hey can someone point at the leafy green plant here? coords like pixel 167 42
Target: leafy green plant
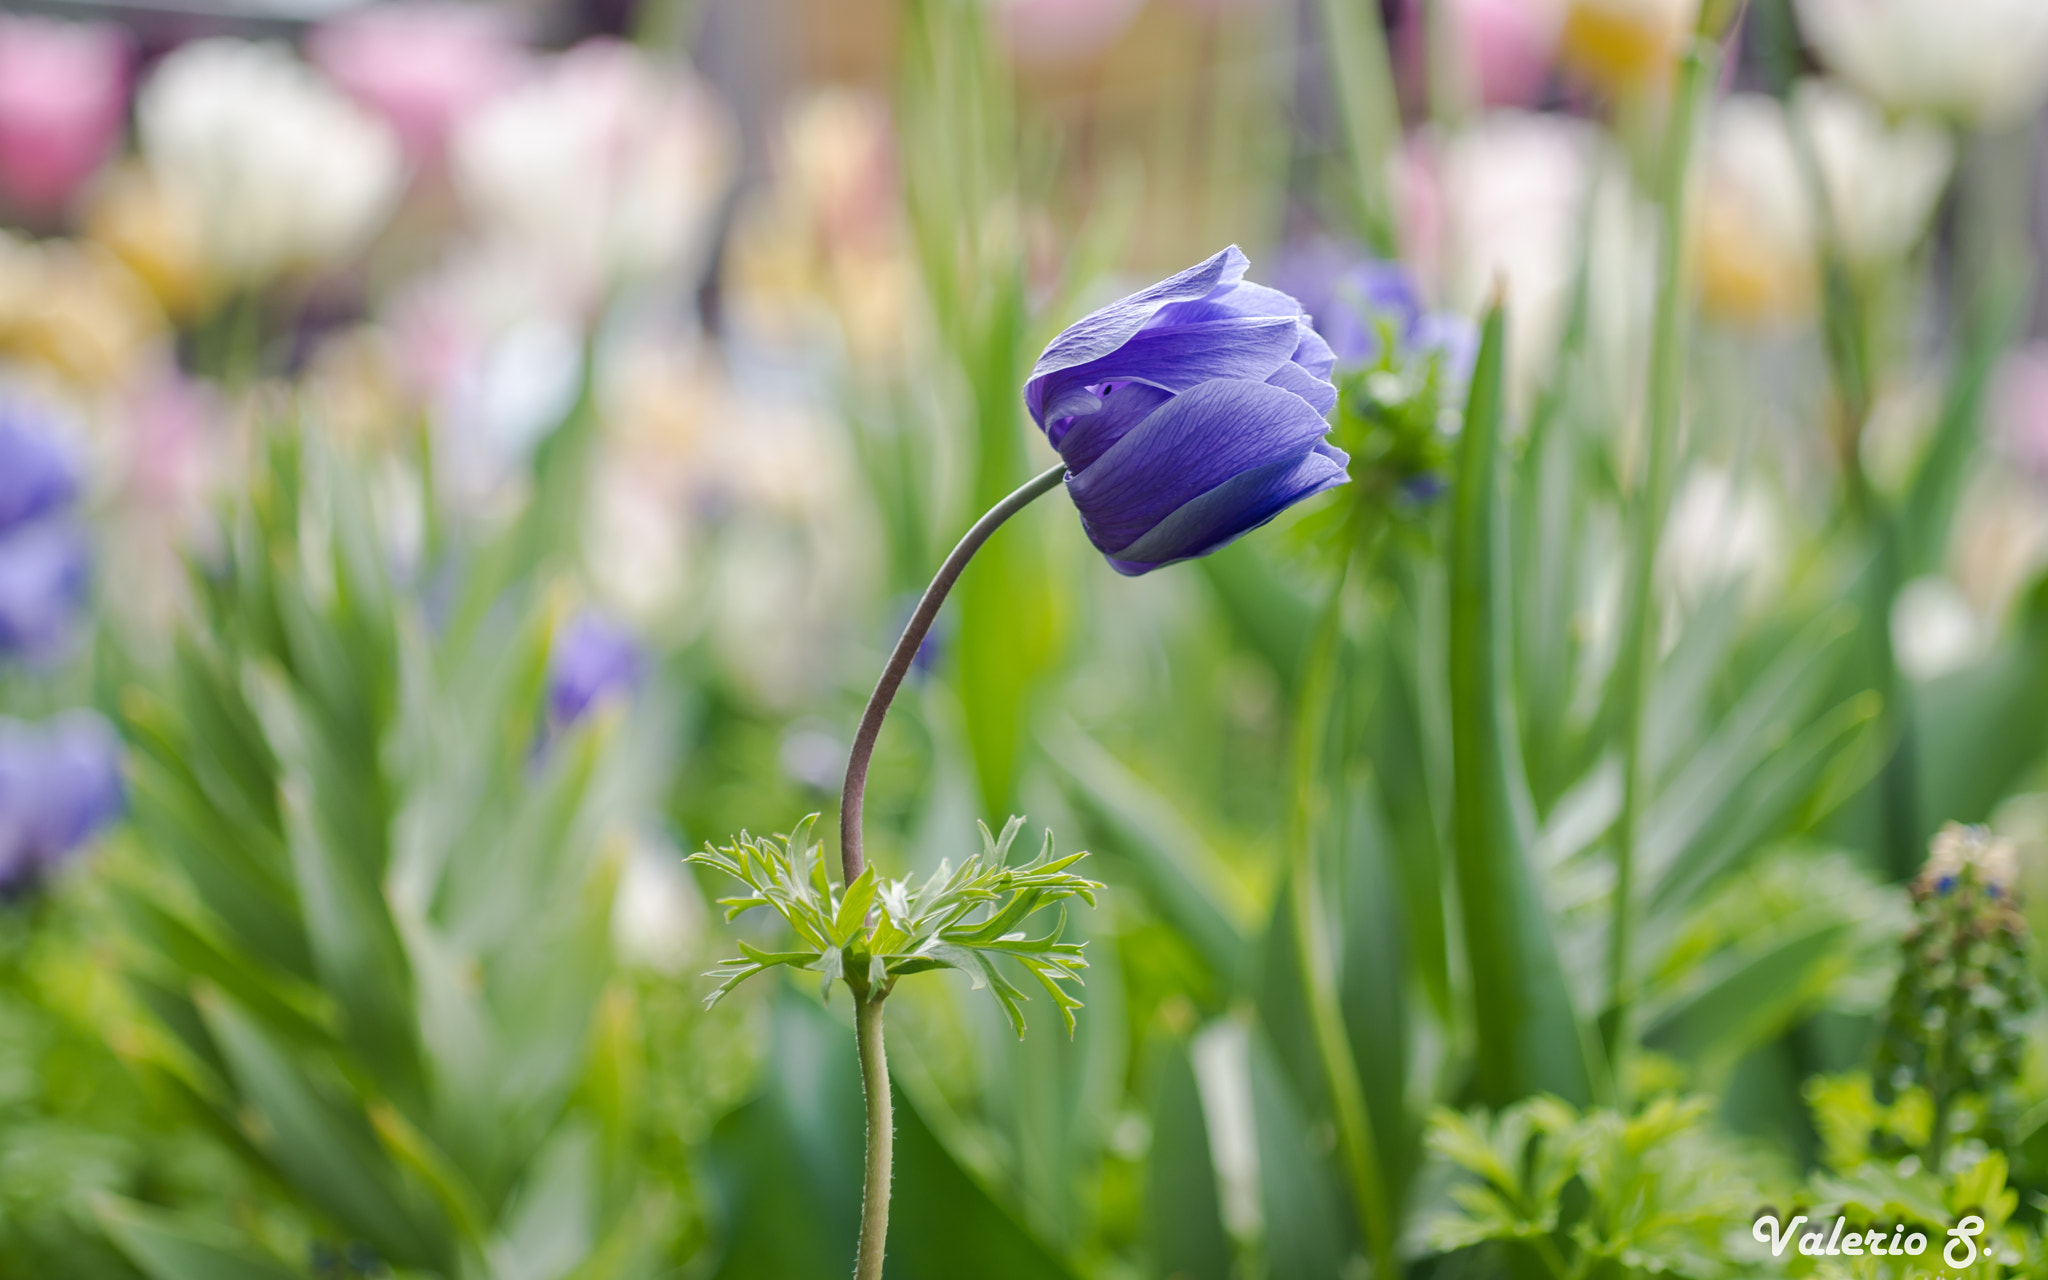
pixel 875 930
pixel 372 926
pixel 1656 1192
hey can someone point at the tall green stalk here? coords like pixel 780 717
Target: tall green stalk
pixel 1637 663
pixel 1314 946
pixel 1362 81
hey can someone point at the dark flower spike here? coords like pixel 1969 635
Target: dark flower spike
pixel 1188 414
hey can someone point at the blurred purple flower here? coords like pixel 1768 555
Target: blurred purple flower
pixel 45 559
pixel 63 103
pixel 60 782
pixel 592 660
pixel 1354 298
pixel 45 569
pixel 1188 414
pixel 37 474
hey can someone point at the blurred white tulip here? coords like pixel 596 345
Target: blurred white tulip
pixel 1754 232
pixel 278 169
pixel 601 165
pixel 496 355
pixel 1980 62
pixel 1880 181
pixel 1506 203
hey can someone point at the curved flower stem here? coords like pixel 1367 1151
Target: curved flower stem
pixel 1637 663
pixel 1312 945
pixel 867 1006
pixel 914 632
pixel 874 1198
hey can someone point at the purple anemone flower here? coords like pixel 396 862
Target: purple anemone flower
pixel 592 659
pixel 60 782
pixel 1188 414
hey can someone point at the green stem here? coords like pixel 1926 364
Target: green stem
pixel 854 793
pixel 867 1009
pixel 1312 944
pixel 874 1079
pixel 1637 662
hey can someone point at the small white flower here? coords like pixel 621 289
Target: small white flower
pixel 278 169
pixel 1981 62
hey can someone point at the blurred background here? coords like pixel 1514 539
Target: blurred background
pixel 456 458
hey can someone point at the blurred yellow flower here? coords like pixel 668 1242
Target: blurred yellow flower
pixel 74 309
pixel 826 243
pixel 157 235
pixel 1624 47
pixel 1753 237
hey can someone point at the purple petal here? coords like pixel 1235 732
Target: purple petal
pixel 1173 359
pixel 1318 392
pixel 1191 445
pixel 1228 302
pixel 1314 354
pixel 1085 438
pixel 1233 509
pixel 1100 332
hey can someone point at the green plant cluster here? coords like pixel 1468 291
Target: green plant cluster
pixel 372 946
pixel 876 930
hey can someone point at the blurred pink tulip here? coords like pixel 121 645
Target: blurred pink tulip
pixel 1509 45
pixel 421 67
pixel 1054 32
pixel 2020 408
pixel 1504 48
pixel 63 97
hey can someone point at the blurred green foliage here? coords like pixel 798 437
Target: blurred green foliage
pixel 348 995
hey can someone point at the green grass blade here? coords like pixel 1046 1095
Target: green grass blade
pixel 1530 1038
